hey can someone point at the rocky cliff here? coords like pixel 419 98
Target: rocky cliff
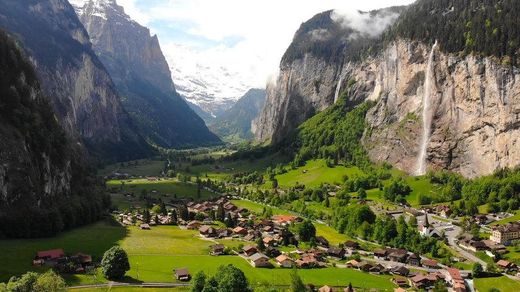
pixel 458 102
pixel 82 93
pixel 43 181
pixel 139 69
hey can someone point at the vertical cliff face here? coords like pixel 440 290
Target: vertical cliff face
pixel 82 93
pixel 43 182
pixel 313 68
pixel 139 69
pixel 474 108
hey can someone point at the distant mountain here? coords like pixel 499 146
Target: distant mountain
pixel 207 117
pixel 235 123
pixel 44 187
pixel 82 93
pixel 212 87
pixel 139 69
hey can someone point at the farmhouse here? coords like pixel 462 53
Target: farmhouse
pixel 504 234
pixel 414 259
pixel 50 255
pixel 182 274
pixel 239 231
pixel 193 225
pixel 144 226
pixel 336 252
pixel 400 270
pixel 283 220
pixel 207 231
pixel 249 250
pixel 431 264
pixel 217 249
pixel 259 260
pixel 507 266
pixel 284 261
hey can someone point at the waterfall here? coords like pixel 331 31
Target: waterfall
pixel 427 114
pixel 338 87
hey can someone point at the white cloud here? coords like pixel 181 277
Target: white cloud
pixel 265 28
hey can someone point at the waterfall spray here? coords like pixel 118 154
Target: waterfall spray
pixel 338 87
pixel 427 114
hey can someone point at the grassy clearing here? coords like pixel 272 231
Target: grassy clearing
pixel 504 284
pixel 316 172
pixel 165 188
pixel 143 167
pixel 159 269
pixel 131 289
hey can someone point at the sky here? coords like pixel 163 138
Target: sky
pixel 246 38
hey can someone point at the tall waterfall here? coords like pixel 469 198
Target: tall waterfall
pixel 338 87
pixel 427 114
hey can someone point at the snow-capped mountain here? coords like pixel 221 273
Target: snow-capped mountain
pixel 206 80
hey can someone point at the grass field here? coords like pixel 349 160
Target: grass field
pixel 166 189
pixel 504 284
pixel 143 167
pixel 131 289
pixel 315 173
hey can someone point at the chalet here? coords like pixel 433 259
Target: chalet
pixel 249 237
pixel 353 264
pixel 322 241
pixel 284 261
pixel 249 250
pixel 193 225
pixel 307 262
pixel 50 255
pixel 400 270
pixel 283 220
pixel 507 266
pixel 144 226
pixel 423 281
pixel 336 252
pixel 259 260
pixel 504 234
pixel 351 245
pixel 401 282
pixel 269 241
pixel 398 255
pixel 182 274
pixel 414 259
pixel 430 264
pixel 377 269
pixel 268 229
pixel 325 289
pixel 217 249
pixel 223 233
pixel 207 231
pixel 472 245
pixel 239 231
pixel 380 254
pixel 364 266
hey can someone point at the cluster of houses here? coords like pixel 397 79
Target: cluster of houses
pixel 58 260
pixel 129 219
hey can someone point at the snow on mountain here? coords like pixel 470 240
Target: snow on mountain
pixel 206 79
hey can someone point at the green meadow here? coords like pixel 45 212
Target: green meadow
pixel 503 283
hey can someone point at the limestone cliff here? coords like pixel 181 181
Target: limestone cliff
pixel 140 72
pixel 82 93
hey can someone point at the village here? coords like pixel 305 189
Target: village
pixel 273 242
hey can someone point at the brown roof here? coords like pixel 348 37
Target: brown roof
pixel 182 272
pixel 429 263
pixel 51 254
pixel 282 258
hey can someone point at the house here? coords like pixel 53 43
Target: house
pixel 377 269
pixel 144 226
pixel 456 280
pixel 430 264
pixel 400 270
pixel 269 241
pixel 364 266
pixel 399 289
pixel 307 262
pixel 422 281
pixel 284 261
pixel 217 249
pixel 182 274
pixel 380 254
pixel 398 255
pixel 414 260
pixel 259 260
pixel 322 241
pixel 50 255
pixel 268 229
pixel 472 245
pixel 353 264
pixel 351 245
pixel 223 233
pixel 249 250
pixel 283 220
pixel 443 210
pixel 506 266
pixel 401 282
pixel 504 234
pixel 325 289
pixel 83 259
pixel 240 231
pixel 336 252
pixel 193 225
pixel 207 231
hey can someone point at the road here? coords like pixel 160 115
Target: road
pixel 143 285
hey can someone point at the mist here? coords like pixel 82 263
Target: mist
pixel 364 24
